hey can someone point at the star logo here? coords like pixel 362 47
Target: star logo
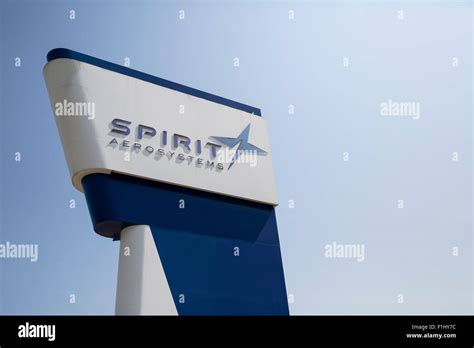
pixel 243 141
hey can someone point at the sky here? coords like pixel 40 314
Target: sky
pixel 348 170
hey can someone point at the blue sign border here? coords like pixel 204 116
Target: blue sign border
pixel 59 53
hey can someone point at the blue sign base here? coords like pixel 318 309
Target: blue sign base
pixel 221 255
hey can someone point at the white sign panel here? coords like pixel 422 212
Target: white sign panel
pixel 113 122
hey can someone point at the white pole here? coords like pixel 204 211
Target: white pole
pixel 142 287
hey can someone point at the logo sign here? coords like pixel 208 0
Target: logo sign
pixel 191 150
pixel 242 141
pixel 138 130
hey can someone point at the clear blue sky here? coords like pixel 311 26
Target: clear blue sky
pixel 283 61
